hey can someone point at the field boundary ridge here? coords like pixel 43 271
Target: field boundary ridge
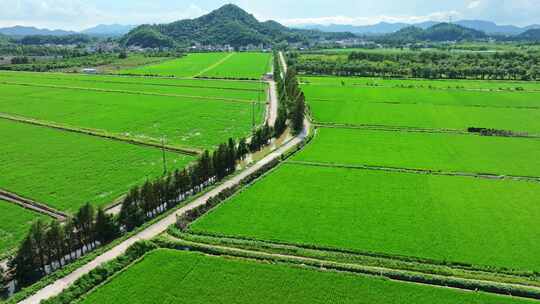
pixel 31 205
pixel 203 98
pixel 415 170
pixel 96 133
pixel 511 289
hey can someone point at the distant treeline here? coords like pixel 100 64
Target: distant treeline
pixel 56 40
pixel 425 64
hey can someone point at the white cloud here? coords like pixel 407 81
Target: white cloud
pixel 474 4
pixel 80 14
pixel 437 16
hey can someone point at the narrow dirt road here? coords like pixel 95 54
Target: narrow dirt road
pixel 161 226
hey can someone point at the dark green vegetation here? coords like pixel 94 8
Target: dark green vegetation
pixel 229 25
pixel 439 32
pixel 73 62
pixel 504 65
pixel 427 151
pixel 434 217
pixel 217 279
pixel 51 245
pixel 14 225
pixel 65 170
pixel 50 39
pixel 532 34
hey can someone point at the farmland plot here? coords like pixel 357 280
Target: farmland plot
pixel 241 65
pixel 425 108
pixel 187 66
pixel 210 279
pixel 486 85
pixel 195 88
pixel 430 151
pixel 184 121
pixel 66 170
pixel 442 218
pixel 526 121
pixel 141 80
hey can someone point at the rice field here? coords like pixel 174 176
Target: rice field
pixel 15 223
pixel 443 218
pixel 187 66
pixel 241 65
pixel 224 90
pixel 167 276
pixel 65 170
pixel 429 151
pixel 183 121
pixel 453 84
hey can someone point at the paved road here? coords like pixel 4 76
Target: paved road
pixel 272 111
pixel 161 226
pixel 283 62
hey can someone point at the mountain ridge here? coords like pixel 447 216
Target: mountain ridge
pixel 227 25
pixel 386 27
pixel 19 30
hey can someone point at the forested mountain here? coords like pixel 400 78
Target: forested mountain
pixel 58 40
pixel 226 25
pixel 4 39
pixel 438 32
pixel 530 35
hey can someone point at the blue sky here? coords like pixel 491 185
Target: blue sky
pixel 79 14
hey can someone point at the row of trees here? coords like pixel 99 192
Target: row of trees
pixel 51 245
pixel 426 64
pixel 292 102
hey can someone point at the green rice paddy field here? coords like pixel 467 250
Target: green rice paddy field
pixel 185 121
pixel 443 218
pixel 167 276
pixel 425 83
pixel 66 170
pixel 187 66
pixel 141 80
pixel 425 108
pixel 242 65
pixel 219 65
pixel 196 88
pixel 14 225
pixel 433 151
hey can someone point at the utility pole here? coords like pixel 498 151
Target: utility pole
pixel 163 154
pixel 253 116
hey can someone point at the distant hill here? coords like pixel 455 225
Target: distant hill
pixel 226 25
pixel 4 39
pixel 30 30
pixel 436 33
pixel 387 28
pixel 109 30
pixel 530 35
